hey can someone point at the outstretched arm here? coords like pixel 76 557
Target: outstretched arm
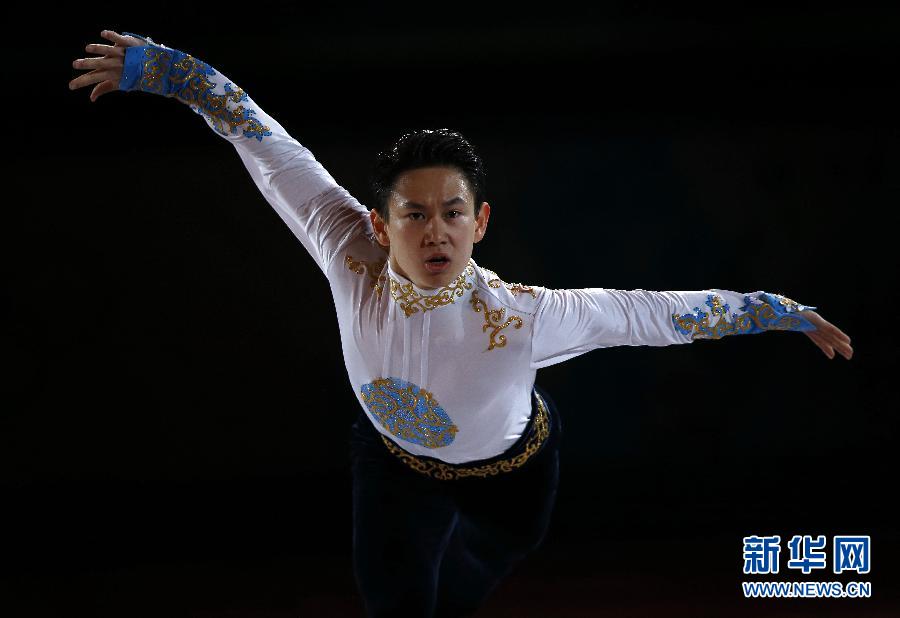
pixel 320 213
pixel 571 322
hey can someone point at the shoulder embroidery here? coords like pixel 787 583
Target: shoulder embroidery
pixel 361 267
pixel 493 319
pixel 515 288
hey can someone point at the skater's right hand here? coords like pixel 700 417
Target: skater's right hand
pixel 106 71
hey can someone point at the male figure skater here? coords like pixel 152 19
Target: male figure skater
pixel 455 451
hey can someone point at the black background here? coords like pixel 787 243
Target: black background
pixel 176 409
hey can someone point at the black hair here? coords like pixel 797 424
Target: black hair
pixel 426 148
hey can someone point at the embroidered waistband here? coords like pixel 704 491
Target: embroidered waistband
pixel 537 432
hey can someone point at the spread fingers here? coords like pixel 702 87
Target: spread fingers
pixel 827 349
pixel 102 88
pixel 121 39
pixel 93 77
pixel 105 50
pixel 96 63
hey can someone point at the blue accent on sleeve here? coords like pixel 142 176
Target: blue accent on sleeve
pixel 173 73
pixel 769 312
pixel 784 306
pixel 132 70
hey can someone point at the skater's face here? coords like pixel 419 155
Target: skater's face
pixel 431 215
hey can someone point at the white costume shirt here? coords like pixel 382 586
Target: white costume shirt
pixel 443 373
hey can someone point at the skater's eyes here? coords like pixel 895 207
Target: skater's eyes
pixel 453 214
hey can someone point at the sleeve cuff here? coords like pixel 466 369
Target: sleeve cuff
pixel 131 71
pixel 134 61
pixel 786 313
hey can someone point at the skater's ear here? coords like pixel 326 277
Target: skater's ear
pixel 380 228
pixel 481 221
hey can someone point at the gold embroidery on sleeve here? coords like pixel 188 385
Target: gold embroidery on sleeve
pixel 493 318
pixel 198 90
pixel 156 64
pixel 761 314
pixel 791 306
pixel 762 317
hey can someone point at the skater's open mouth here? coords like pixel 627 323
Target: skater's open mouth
pixel 437 262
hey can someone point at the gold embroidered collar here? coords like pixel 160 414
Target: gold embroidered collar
pixel 413 299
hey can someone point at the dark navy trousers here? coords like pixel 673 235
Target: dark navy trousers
pixel 437 548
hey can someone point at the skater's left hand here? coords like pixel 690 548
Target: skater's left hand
pixel 106 70
pixel 827 336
